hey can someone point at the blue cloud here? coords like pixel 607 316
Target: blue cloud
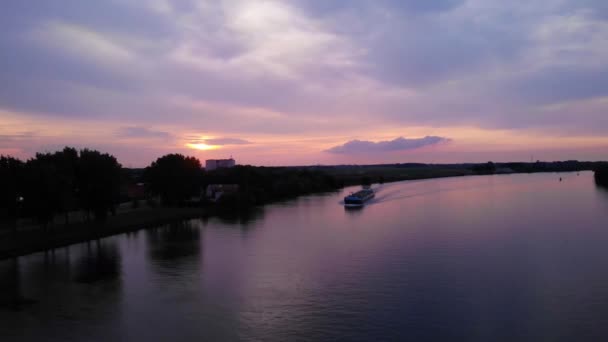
pixel 226 141
pixel 316 7
pixel 142 132
pixel 398 144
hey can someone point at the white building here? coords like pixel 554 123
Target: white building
pixel 212 164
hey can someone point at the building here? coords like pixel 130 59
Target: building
pixel 212 164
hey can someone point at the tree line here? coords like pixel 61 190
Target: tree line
pixel 57 183
pixel 176 178
pixel 51 185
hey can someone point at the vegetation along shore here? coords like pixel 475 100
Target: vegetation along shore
pixel 70 196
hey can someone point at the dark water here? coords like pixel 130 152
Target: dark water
pixel 496 258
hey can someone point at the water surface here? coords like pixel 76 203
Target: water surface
pixel 491 258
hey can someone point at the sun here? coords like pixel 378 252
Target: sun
pixel 202 146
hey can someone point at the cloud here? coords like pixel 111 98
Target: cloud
pixel 14 140
pixel 217 141
pixel 17 136
pixel 226 141
pixel 398 144
pixel 319 7
pixel 142 132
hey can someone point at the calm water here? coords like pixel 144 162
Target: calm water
pixel 496 258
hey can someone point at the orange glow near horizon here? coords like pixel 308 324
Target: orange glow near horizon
pixel 202 147
pixel 468 143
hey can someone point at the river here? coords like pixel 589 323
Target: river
pixel 486 258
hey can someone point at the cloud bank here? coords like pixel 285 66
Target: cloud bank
pixel 226 141
pixel 398 144
pixel 142 132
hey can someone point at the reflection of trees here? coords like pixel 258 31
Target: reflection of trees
pixel 602 192
pixel 602 187
pixel 100 261
pixel 243 217
pixel 174 241
pixel 11 296
pixel 601 176
pixel 601 180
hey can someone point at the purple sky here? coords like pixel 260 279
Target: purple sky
pixel 307 81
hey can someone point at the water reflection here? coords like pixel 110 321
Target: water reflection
pixel 100 261
pixel 353 211
pixel 46 290
pixel 11 296
pixel 243 217
pixel 601 187
pixel 175 241
pixel 25 281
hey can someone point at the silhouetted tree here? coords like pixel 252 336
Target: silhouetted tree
pixel 11 183
pixel 174 177
pixel 98 182
pixel 42 188
pixel 66 163
pixel 601 175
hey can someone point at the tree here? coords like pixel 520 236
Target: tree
pixel 98 182
pixel 42 188
pixel 601 175
pixel 11 189
pixel 174 177
pixel 66 163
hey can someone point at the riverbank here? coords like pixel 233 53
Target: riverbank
pixel 355 174
pixel 36 240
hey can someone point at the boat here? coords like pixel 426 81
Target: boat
pixel 358 199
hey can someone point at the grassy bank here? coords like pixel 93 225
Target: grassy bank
pixel 34 240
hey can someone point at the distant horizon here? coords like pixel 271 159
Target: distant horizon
pixel 203 159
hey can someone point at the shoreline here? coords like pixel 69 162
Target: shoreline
pixel 33 241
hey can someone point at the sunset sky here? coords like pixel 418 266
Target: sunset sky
pixel 298 82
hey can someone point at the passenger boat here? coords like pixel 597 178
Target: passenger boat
pixel 358 199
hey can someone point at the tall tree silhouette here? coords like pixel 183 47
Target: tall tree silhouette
pixel 11 182
pixel 66 163
pixel 42 188
pixel 174 177
pixel 601 175
pixel 98 182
